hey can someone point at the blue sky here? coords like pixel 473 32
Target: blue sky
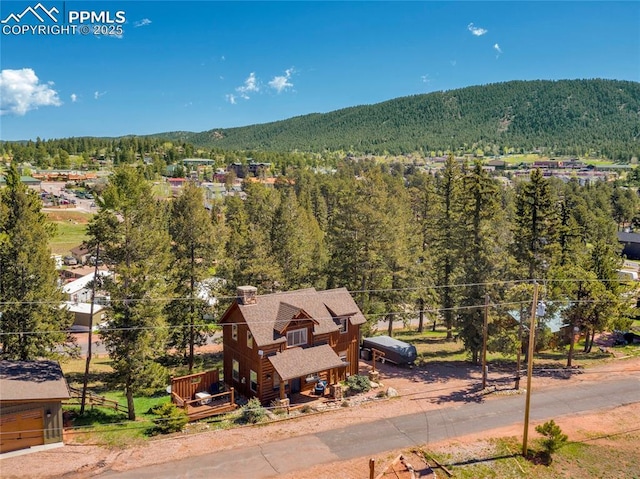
pixel 201 65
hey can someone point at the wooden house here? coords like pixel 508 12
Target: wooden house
pixel 31 395
pixel 281 344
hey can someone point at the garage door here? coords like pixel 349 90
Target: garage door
pixel 21 430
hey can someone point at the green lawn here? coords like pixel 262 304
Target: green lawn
pixel 71 230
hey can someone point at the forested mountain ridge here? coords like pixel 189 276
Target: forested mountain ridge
pixel 573 117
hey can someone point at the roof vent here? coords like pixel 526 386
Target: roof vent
pixel 247 294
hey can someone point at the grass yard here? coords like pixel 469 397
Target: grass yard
pixel 434 346
pixel 600 456
pixel 104 426
pixel 71 230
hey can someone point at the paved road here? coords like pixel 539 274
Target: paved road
pixel 362 440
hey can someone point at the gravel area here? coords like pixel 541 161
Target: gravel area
pixel 418 389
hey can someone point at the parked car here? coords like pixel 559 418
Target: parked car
pixel 70 261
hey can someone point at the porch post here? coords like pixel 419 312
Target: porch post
pixel 282 395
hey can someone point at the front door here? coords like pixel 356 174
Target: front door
pixel 295 385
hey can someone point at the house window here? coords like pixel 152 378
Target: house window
pixel 235 368
pixel 312 378
pixel 234 332
pixel 343 356
pixel 249 340
pixel 297 337
pixel 253 381
pixel 344 325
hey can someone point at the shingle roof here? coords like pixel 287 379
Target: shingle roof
pixel 271 312
pixel 32 380
pixel 297 362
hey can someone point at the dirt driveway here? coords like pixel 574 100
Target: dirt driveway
pixel 418 389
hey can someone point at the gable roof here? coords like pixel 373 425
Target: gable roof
pixel 297 362
pixel 32 380
pixel 271 313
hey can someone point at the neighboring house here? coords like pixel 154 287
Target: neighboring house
pixel 280 344
pixel 82 318
pixel 81 254
pixel 630 244
pixel 79 290
pixel 31 395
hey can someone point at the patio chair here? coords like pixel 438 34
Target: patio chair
pixel 320 387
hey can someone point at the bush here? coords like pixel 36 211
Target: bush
pixel 253 412
pixel 171 419
pixel 554 439
pixel 358 384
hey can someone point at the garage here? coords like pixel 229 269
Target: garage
pixel 21 430
pixel 31 395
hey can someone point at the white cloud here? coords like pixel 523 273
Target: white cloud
pixel 281 83
pixel 142 23
pixel 250 86
pixel 98 94
pixel 425 78
pixel 74 97
pixel 497 48
pixel 477 31
pixel 21 91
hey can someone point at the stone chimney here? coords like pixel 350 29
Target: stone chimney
pixel 247 294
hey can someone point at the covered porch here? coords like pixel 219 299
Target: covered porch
pixel 309 373
pixel 201 395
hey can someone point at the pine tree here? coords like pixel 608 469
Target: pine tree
pixel 138 251
pixel 446 235
pixel 535 232
pixel 480 252
pixel 194 248
pixel 32 323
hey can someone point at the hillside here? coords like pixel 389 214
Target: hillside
pixel 562 117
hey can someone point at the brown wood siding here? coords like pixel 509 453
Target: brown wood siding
pixel 52 425
pixel 349 342
pixel 187 386
pixel 248 358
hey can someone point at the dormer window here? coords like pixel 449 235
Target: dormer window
pixel 249 340
pixel 297 337
pixel 343 324
pixel 234 332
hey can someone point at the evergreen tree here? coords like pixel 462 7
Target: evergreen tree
pixel 194 248
pixel 138 251
pixel 535 226
pixel 480 252
pixel 32 323
pixel 446 238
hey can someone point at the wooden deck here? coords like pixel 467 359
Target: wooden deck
pixel 191 393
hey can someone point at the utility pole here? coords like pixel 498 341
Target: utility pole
pixel 532 337
pixel 485 333
pixel 85 381
pixel 518 362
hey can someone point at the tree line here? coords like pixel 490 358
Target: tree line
pixel 405 242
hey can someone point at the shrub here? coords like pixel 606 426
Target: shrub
pixel 171 419
pixel 553 437
pixel 253 412
pixel 358 384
